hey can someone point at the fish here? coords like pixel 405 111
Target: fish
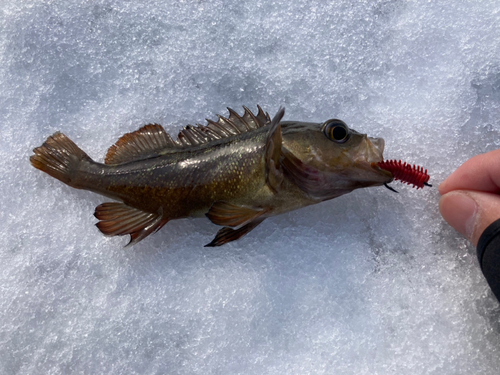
pixel 236 171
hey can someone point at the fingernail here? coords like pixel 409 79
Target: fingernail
pixel 459 210
pixel 441 187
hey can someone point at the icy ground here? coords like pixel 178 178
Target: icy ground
pixel 369 283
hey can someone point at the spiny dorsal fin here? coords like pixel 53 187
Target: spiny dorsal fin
pixel 152 139
pixel 224 127
pixel 256 121
pixel 118 219
pixel 148 140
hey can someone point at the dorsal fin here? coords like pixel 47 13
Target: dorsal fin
pixel 152 139
pixel 148 140
pixel 256 121
pixel 224 127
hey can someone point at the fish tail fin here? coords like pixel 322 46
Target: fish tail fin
pixel 59 157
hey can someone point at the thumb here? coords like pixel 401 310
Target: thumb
pixel 470 212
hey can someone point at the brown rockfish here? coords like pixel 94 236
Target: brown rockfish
pixel 236 171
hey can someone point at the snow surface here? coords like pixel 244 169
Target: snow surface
pixel 369 283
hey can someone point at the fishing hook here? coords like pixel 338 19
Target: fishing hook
pixel 390 188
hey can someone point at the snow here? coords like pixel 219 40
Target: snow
pixel 369 283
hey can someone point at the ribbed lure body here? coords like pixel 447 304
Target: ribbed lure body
pixel 407 173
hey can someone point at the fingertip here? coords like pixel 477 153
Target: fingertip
pixel 479 173
pixel 459 210
pixel 470 212
pixel 442 188
pixel 488 212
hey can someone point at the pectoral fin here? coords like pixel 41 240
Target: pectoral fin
pixel 227 234
pixel 274 172
pixel 118 219
pixel 231 215
pixel 307 178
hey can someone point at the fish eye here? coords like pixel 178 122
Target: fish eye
pixel 337 131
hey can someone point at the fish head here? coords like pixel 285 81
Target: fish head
pixel 333 158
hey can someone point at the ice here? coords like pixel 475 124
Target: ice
pixel 369 283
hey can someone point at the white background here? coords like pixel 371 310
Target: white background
pixel 369 283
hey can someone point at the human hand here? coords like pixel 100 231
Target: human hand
pixel 470 199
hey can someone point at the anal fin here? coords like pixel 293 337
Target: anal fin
pixel 118 219
pixel 227 234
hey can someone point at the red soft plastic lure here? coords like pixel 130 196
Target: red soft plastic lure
pixel 412 175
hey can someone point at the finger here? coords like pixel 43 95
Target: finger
pixel 481 173
pixel 470 212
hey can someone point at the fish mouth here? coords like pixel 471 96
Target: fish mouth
pixel 383 172
pixel 379 144
pixel 374 155
pixel 375 149
pixel 370 151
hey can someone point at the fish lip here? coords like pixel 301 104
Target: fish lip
pixel 379 144
pixel 374 150
pixel 375 166
pixel 377 149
